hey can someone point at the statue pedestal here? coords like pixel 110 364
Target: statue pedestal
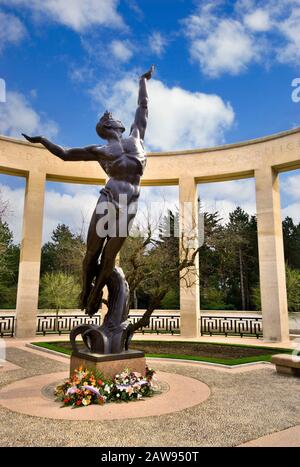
pixel 109 364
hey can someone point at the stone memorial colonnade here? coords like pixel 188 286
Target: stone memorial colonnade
pixel 261 158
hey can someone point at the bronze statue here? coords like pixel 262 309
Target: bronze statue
pixel 124 160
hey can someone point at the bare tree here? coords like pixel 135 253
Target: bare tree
pixel 4 207
pixel 153 264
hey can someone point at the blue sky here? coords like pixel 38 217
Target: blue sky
pixel 224 74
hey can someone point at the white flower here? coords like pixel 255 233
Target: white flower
pixel 129 390
pixel 121 387
pixel 139 396
pixel 107 388
pixel 118 395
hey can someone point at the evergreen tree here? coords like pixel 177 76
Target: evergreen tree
pixel 168 247
pixel 291 242
pixel 211 265
pixel 9 267
pixel 64 253
pixel 241 239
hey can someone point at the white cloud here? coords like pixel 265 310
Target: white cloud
pixel 12 30
pixel 178 119
pixel 17 116
pixel 233 190
pixel 290 28
pixel 76 14
pixel 75 188
pixel 71 204
pixel 258 20
pixel 74 209
pixel 2 90
pixel 227 49
pixel 83 74
pixel 290 186
pixel 157 43
pixel 290 195
pixel 121 50
pixel 293 211
pixel 74 204
pixel 224 197
pixel 283 23
pixel 168 195
pixel 254 30
pixel 218 43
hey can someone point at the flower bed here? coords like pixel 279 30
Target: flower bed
pixel 87 387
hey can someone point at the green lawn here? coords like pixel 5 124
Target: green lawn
pixel 203 352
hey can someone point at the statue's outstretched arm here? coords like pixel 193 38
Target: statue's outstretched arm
pixel 73 154
pixel 141 114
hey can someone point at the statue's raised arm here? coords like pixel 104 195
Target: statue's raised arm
pixel 139 125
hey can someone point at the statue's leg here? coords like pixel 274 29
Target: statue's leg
pixel 107 264
pixel 90 262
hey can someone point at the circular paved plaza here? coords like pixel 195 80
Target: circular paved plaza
pixel 34 396
pixel 240 405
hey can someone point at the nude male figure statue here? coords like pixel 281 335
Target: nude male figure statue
pixel 124 160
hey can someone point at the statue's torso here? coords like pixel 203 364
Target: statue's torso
pixel 125 165
pixel 126 160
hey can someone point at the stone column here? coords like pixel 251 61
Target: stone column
pixel 189 295
pixel 271 256
pixel 29 269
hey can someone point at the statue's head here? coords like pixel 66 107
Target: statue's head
pixel 107 125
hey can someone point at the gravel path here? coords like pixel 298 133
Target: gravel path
pixel 242 406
